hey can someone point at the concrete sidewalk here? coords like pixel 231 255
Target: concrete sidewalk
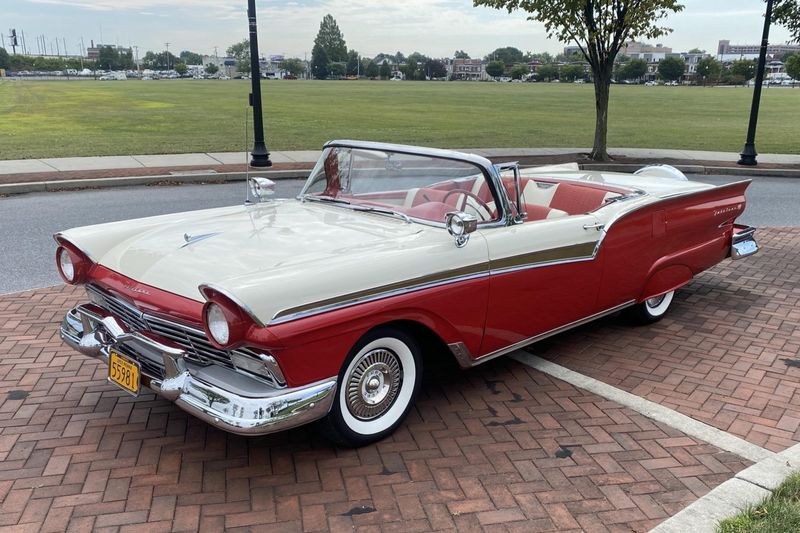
pixel 71 164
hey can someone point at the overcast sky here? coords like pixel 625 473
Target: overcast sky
pixel 432 27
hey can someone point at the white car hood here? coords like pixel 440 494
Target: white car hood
pixel 273 256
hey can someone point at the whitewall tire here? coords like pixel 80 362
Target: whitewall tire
pixel 651 310
pixel 377 385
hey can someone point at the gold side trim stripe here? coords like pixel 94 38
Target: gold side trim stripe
pixel 576 252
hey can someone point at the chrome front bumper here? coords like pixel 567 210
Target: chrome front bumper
pixel 221 396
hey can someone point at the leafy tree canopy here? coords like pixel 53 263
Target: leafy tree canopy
pixel 787 13
pixel 547 72
pixel 211 68
pixel 495 68
pixel 320 64
pixel 633 69
pixel 181 69
pixel 508 55
pixel 708 68
pixel 330 38
pixel 461 54
pixel 372 70
pixel 293 66
pixel 191 58
pixel 671 68
pixel 599 28
pixel 793 67
pixel 385 70
pixel 746 68
pixel 519 71
pixel 572 72
pixel 5 61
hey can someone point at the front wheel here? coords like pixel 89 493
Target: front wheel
pixel 377 385
pixel 651 310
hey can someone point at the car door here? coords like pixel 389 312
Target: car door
pixel 544 275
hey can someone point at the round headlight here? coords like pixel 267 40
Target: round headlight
pixel 217 324
pixel 65 265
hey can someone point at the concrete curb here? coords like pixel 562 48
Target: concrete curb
pixel 192 177
pixel 748 487
pixel 62 185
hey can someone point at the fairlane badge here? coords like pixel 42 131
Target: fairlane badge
pixel 718 212
pixel 136 289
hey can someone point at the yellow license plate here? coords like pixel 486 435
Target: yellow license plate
pixel 123 372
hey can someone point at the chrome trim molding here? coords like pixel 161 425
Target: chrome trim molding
pixel 242 405
pixel 465 359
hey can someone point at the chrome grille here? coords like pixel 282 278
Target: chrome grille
pixel 192 340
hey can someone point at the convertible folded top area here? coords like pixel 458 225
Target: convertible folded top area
pixel 275 313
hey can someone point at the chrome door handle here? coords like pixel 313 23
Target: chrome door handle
pixel 597 225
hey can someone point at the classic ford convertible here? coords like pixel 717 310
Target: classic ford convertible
pixel 261 317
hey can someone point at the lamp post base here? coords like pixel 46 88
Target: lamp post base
pixel 260 156
pixel 748 155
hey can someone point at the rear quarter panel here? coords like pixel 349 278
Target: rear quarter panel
pixel 661 246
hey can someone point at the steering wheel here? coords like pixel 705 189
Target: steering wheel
pixel 475 197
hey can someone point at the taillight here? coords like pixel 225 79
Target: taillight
pixel 73 265
pixel 224 322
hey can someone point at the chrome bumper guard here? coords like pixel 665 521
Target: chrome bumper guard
pixel 743 243
pixel 222 397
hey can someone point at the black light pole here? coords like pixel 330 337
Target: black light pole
pixel 749 151
pixel 260 154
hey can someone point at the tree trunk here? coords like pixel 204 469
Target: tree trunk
pixel 602 85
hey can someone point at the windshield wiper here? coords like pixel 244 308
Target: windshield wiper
pixel 378 210
pixel 328 199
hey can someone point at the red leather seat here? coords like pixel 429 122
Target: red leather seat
pixel 577 200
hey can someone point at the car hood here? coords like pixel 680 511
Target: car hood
pixel 276 256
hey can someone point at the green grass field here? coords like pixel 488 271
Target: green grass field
pixel 81 118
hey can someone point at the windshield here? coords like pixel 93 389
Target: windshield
pixel 417 186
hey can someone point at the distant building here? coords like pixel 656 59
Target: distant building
pixel 572 50
pixel 467 69
pixel 649 53
pixel 93 52
pixel 729 52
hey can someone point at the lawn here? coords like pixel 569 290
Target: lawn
pixel 81 118
pixel 777 514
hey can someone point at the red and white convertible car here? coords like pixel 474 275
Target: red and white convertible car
pixel 261 317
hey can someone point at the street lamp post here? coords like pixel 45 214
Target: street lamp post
pixel 748 155
pixel 259 154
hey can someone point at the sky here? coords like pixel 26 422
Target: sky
pixel 432 27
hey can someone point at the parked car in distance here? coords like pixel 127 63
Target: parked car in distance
pixel 264 316
pixel 289 77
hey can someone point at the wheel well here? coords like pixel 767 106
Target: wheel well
pixel 436 356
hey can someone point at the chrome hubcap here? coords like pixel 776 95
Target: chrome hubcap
pixel 652 303
pixel 373 384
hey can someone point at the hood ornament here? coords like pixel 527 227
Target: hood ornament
pixel 191 239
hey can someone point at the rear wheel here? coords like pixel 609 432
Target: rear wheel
pixel 377 385
pixel 651 310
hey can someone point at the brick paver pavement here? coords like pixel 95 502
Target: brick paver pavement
pixel 727 354
pixel 501 447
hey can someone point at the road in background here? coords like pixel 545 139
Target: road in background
pixel 29 221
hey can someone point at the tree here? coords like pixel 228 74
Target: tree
pixel 191 58
pixel 708 68
pixel 508 55
pixel 572 72
pixel 793 67
pixel 495 68
pixel 241 53
pixel 435 68
pixel 697 51
pixel 520 71
pixel 338 70
pixel 385 70
pixel 294 66
pixel 599 28
pixel 181 69
pixel 547 72
pixel 460 54
pixel 320 64
pixel 211 69
pixel 5 61
pixel 410 68
pixel 353 63
pixel 671 68
pixel 372 71
pixel 746 68
pixel 330 38
pixel 787 13
pixel 633 70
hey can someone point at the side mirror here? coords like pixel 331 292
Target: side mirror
pixel 460 225
pixel 262 188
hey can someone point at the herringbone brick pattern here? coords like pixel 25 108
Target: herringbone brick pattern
pixel 499 448
pixel 728 352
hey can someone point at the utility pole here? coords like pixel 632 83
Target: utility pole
pixel 24 46
pixel 259 154
pixel 167 45
pixel 748 155
pixel 138 68
pixel 64 40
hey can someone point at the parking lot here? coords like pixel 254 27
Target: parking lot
pixel 501 447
